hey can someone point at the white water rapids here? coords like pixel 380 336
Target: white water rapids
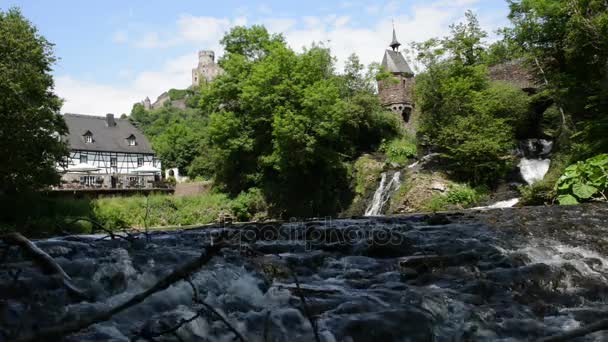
pixel 383 194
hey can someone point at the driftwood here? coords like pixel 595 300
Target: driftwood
pixel 55 332
pixel 43 261
pixel 574 333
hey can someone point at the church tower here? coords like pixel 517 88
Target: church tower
pixel 396 92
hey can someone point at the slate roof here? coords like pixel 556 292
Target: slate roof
pixel 105 138
pixel 394 62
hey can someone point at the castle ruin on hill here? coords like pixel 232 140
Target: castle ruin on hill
pixel 205 72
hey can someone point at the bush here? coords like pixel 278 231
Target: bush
pixel 539 193
pixel 400 150
pixel 584 181
pixel 249 204
pixel 477 148
pixel 461 196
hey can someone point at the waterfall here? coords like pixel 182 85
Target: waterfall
pixel 535 163
pixel 383 193
pixel 534 170
pixel 499 205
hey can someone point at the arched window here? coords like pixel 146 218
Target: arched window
pixel 406 113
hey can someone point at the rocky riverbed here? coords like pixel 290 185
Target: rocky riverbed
pixel 495 275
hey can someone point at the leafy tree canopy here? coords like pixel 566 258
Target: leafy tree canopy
pixel 568 42
pixel 287 122
pixel 29 110
pixel 464 115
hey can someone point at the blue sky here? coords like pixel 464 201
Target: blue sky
pixel 114 53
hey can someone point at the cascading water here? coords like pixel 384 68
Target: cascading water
pixel 535 163
pixel 509 275
pixel 500 204
pixel 383 193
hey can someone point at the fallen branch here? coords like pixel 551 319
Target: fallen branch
pixel 54 332
pixel 198 300
pixel 582 331
pixel 311 319
pixel 97 225
pixel 44 261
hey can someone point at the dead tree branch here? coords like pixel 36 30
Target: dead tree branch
pixel 206 308
pixel 67 328
pixel 305 308
pixel 44 261
pixel 574 333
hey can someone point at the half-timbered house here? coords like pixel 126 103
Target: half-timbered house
pixel 107 153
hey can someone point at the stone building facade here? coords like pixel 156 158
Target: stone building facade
pixel 396 92
pixel 206 70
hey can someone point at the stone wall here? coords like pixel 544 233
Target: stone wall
pixel 516 73
pixel 396 90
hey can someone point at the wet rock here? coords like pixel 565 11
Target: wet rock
pixel 437 220
pixel 425 262
pixel 392 325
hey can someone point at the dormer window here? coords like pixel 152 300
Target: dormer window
pixel 88 137
pixel 131 140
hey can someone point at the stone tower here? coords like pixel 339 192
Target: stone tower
pixel 396 92
pixel 206 70
pixel 147 103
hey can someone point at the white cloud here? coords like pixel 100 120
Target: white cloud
pixel 86 97
pixel 418 23
pixel 120 37
pixel 278 25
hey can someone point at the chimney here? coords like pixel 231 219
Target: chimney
pixel 110 120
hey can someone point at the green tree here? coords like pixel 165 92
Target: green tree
pixel 287 123
pixel 469 119
pixel 567 41
pixel 29 110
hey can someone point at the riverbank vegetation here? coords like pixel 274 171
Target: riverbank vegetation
pixel 39 215
pixel 283 133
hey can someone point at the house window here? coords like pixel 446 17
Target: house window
pixel 113 162
pixel 83 159
pixel 131 141
pixel 88 137
pixel 140 162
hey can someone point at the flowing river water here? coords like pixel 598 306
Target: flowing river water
pixel 494 275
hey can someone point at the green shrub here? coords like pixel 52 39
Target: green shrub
pixel 539 193
pixel 460 196
pixel 177 94
pixel 171 181
pixel 584 181
pixel 247 204
pixel 399 150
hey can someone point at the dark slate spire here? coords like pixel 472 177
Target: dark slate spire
pixel 394 44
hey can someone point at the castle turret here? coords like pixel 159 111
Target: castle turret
pixel 396 92
pixel 207 70
pixel 147 103
pixel 206 57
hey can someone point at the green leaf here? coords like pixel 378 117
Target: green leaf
pixel 583 191
pixel 567 200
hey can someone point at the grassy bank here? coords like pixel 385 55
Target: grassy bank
pixel 37 215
